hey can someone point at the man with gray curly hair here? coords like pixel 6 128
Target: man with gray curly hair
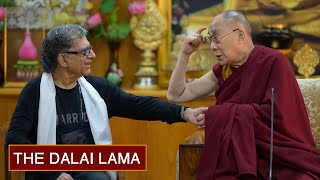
pixel 68 106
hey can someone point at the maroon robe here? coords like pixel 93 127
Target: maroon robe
pixel 237 131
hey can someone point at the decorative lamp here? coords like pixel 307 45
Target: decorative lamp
pixel 147 30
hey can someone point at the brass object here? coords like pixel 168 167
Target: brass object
pixel 148 29
pixel 306 59
pixel 276 36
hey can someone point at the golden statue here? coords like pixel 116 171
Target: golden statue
pixel 306 59
pixel 148 29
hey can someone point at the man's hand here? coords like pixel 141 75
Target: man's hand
pixel 64 176
pixel 193 42
pixel 195 116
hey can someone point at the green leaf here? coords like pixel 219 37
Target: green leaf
pixel 113 15
pixel 108 5
pixel 124 29
pixel 113 32
pixel 101 32
pixel 116 31
pixel 1 26
pixel 175 4
pixel 7 3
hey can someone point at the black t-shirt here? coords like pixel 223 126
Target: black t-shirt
pixel 72 121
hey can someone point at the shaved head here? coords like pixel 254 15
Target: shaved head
pixel 234 18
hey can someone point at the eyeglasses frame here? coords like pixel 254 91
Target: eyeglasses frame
pixel 215 38
pixel 84 52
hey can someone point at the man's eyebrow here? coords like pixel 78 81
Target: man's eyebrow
pixel 86 47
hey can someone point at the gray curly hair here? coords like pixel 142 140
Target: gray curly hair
pixel 59 39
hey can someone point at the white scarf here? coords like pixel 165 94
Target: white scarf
pixel 95 106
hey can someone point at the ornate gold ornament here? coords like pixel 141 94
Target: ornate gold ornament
pixel 306 59
pixel 148 29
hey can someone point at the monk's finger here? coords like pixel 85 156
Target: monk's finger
pixel 199 31
pixel 203 109
pixel 201 127
pixel 200 117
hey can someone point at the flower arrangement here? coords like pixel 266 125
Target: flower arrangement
pixel 113 29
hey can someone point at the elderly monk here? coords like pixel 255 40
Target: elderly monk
pixel 237 128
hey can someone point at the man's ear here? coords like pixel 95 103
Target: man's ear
pixel 62 60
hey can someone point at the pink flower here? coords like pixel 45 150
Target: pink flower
pixel 2 12
pixel 137 8
pixel 94 20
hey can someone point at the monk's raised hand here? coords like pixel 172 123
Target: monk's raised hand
pixel 193 42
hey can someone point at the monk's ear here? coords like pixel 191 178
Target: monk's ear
pixel 242 35
pixel 62 60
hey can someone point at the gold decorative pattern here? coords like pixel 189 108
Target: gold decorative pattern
pixel 310 89
pixel 306 59
pixel 148 29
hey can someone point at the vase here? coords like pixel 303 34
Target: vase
pixel 114 74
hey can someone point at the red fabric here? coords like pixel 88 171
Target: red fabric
pixel 237 139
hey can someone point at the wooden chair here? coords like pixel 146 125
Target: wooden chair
pixel 189 155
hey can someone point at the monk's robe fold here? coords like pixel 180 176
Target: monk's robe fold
pixel 237 139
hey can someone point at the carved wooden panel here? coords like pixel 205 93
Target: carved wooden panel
pixel 189 156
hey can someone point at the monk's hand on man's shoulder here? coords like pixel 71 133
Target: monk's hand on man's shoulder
pixel 195 116
pixel 193 42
